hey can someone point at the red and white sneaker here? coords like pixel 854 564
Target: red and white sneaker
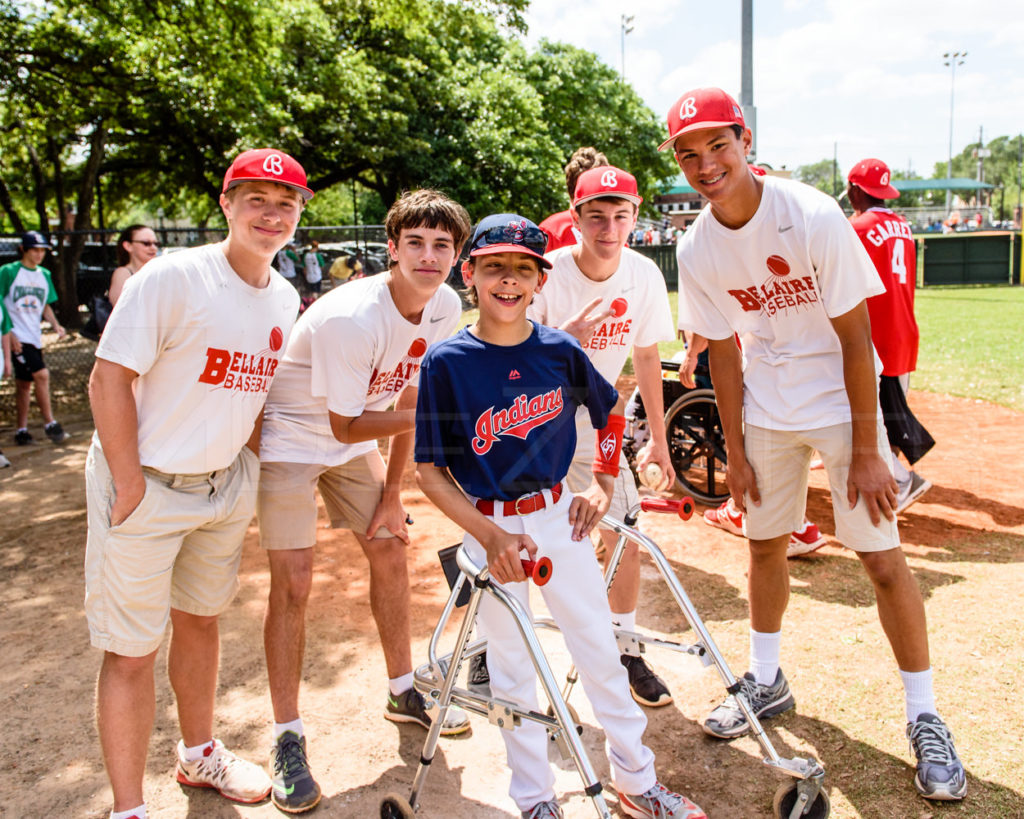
pixel 805 540
pixel 659 803
pixel 218 768
pixel 726 517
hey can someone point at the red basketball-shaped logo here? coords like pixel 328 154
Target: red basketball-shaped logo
pixel 276 339
pixel 618 307
pixel 778 266
pixel 417 348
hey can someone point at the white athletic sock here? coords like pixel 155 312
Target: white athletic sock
pixel 920 698
pixel 625 620
pixel 764 656
pixel 138 813
pixel 399 685
pixel 196 751
pixel 295 725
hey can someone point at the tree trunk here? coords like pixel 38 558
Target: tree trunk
pixel 40 185
pixel 9 209
pixel 67 290
pixel 58 182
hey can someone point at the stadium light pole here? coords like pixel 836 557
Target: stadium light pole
pixel 626 28
pixel 952 59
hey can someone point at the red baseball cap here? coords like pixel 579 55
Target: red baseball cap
pixel 872 176
pixel 702 108
pixel 267 165
pixel 606 180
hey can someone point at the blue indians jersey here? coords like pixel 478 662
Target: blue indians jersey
pixel 502 419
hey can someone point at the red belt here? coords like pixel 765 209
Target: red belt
pixel 521 506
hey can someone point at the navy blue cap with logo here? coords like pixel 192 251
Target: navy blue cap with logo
pixel 509 233
pixel 32 239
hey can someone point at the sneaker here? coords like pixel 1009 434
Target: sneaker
pixel 479 678
pixel 659 803
pixel 411 707
pixel 912 493
pixel 805 540
pixel 4 463
pixel 218 768
pixel 295 790
pixel 55 432
pixel 940 773
pixel 543 810
pixel 727 720
pixel 646 687
pixel 726 517
pixel 23 437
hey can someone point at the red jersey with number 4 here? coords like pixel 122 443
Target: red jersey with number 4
pixel 887 238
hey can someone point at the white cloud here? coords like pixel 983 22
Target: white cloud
pixel 868 74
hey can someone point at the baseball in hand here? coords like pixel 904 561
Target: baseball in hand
pixel 651 476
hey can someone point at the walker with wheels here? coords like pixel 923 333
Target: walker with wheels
pixel 800 795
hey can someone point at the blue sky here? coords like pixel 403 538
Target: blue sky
pixel 866 74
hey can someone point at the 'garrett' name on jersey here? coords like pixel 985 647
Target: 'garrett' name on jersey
pixel 889 229
pixel 518 420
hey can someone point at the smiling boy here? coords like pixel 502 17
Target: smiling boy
pixel 181 374
pixel 495 434
pixel 777 262
pixel 354 352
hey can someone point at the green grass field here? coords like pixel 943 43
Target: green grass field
pixel 972 342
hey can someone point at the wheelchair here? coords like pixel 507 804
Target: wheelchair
pixel 800 795
pixel 696 443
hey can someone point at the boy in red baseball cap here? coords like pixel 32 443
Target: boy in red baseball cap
pixel 887 238
pixel 777 262
pixel 182 372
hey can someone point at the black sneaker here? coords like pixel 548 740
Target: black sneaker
pixel 294 790
pixel 23 437
pixel 479 677
pixel 646 687
pixel 411 707
pixel 55 432
pixel 728 721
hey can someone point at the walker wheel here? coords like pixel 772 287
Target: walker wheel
pixel 786 798
pixel 394 806
pixel 572 713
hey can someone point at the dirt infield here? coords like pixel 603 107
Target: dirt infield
pixel 965 540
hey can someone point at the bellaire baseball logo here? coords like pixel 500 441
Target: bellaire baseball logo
pixel 612 333
pixel 243 372
pixel 394 379
pixel 518 420
pixel 780 292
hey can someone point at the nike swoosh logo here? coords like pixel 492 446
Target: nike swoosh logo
pixel 288 791
pixel 784 229
pixel 393 701
pixel 627 289
pixel 439 318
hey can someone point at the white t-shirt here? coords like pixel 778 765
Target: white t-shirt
pixel 351 351
pixel 206 346
pixel 776 282
pixel 25 296
pixel 311 264
pixel 637 291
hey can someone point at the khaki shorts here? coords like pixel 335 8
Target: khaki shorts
pixel 287 499
pixel 180 548
pixel 780 460
pixel 581 475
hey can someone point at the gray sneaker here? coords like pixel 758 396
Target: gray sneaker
pixel 727 720
pixel 411 707
pixel 912 492
pixel 543 810
pixel 659 802
pixel 295 790
pixel 940 773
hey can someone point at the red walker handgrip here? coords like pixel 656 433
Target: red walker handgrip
pixel 539 571
pixel 682 507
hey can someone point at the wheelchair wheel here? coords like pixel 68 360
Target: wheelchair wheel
pixel 394 806
pixel 696 446
pixel 786 798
